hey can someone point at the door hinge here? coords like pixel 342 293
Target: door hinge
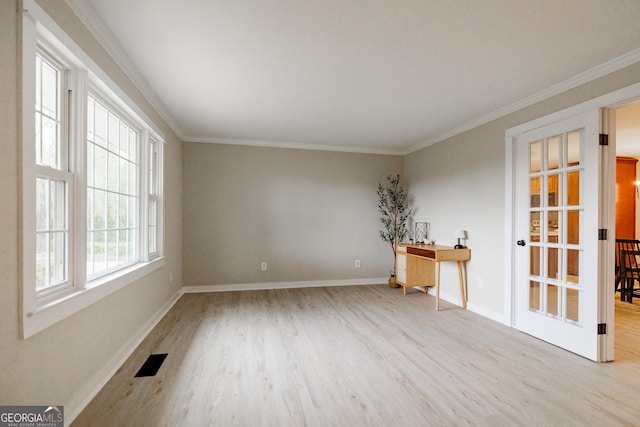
pixel 604 139
pixel 602 234
pixel 602 328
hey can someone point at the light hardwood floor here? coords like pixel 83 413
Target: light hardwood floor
pixel 362 355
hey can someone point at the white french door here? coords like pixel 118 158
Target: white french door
pixel 556 233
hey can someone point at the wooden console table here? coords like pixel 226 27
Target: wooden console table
pixel 419 265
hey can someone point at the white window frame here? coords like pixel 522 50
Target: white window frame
pixel 155 192
pixel 39 310
pixel 63 172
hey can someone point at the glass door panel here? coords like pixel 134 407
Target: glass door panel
pixel 557 283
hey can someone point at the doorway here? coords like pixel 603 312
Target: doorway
pixel 627 207
pixel 603 189
pixel 556 282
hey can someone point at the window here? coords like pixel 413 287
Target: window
pixel 112 190
pixel 91 180
pixel 154 198
pixel 53 180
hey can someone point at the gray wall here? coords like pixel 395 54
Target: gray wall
pixel 308 214
pixel 54 365
pixel 460 183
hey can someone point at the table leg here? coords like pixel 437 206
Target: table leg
pixel 462 293
pixel 437 285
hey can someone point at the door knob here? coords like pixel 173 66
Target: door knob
pixel 521 243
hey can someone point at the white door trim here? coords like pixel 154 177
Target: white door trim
pixel 610 100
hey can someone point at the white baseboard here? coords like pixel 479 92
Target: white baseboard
pixel 283 285
pixel 74 407
pixel 455 299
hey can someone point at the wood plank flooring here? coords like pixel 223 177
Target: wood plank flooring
pixel 361 355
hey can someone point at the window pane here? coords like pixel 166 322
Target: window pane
pixel 42 256
pixel 133 213
pixel 100 124
pixel 58 205
pixel 573 227
pixel 554 189
pixel 553 263
pixel 133 146
pixel 153 200
pixel 132 242
pixel 123 207
pixel 99 251
pixel 99 167
pixel 113 132
pixel 573 188
pixel 553 296
pixel 42 204
pixel 573 267
pixel 113 168
pixel 535 156
pixel 49 141
pixel 153 244
pixel 47 113
pixel 112 211
pixel 534 260
pixel 534 226
pixel 534 296
pixel 573 151
pixel 52 234
pixel 58 257
pixel 554 145
pixel 123 175
pixel 552 227
pixel 114 190
pixel 99 210
pixel 112 248
pixel 133 179
pixel 573 304
pixel 152 225
pixel 49 87
pixel 124 140
pixel 534 186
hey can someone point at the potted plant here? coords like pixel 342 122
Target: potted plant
pixel 392 205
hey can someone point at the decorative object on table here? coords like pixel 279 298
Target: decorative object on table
pixel 460 234
pixel 422 232
pixel 392 205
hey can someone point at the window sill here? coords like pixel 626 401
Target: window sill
pixel 53 312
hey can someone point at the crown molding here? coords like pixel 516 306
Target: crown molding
pixel 293 145
pixel 572 82
pixel 91 19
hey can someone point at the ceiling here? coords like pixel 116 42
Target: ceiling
pixel 359 75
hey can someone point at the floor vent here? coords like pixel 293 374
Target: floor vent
pixel 151 365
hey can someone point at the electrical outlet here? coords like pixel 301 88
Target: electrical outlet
pixel 263 266
pixel 171 278
pixel 480 283
pixel 358 263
